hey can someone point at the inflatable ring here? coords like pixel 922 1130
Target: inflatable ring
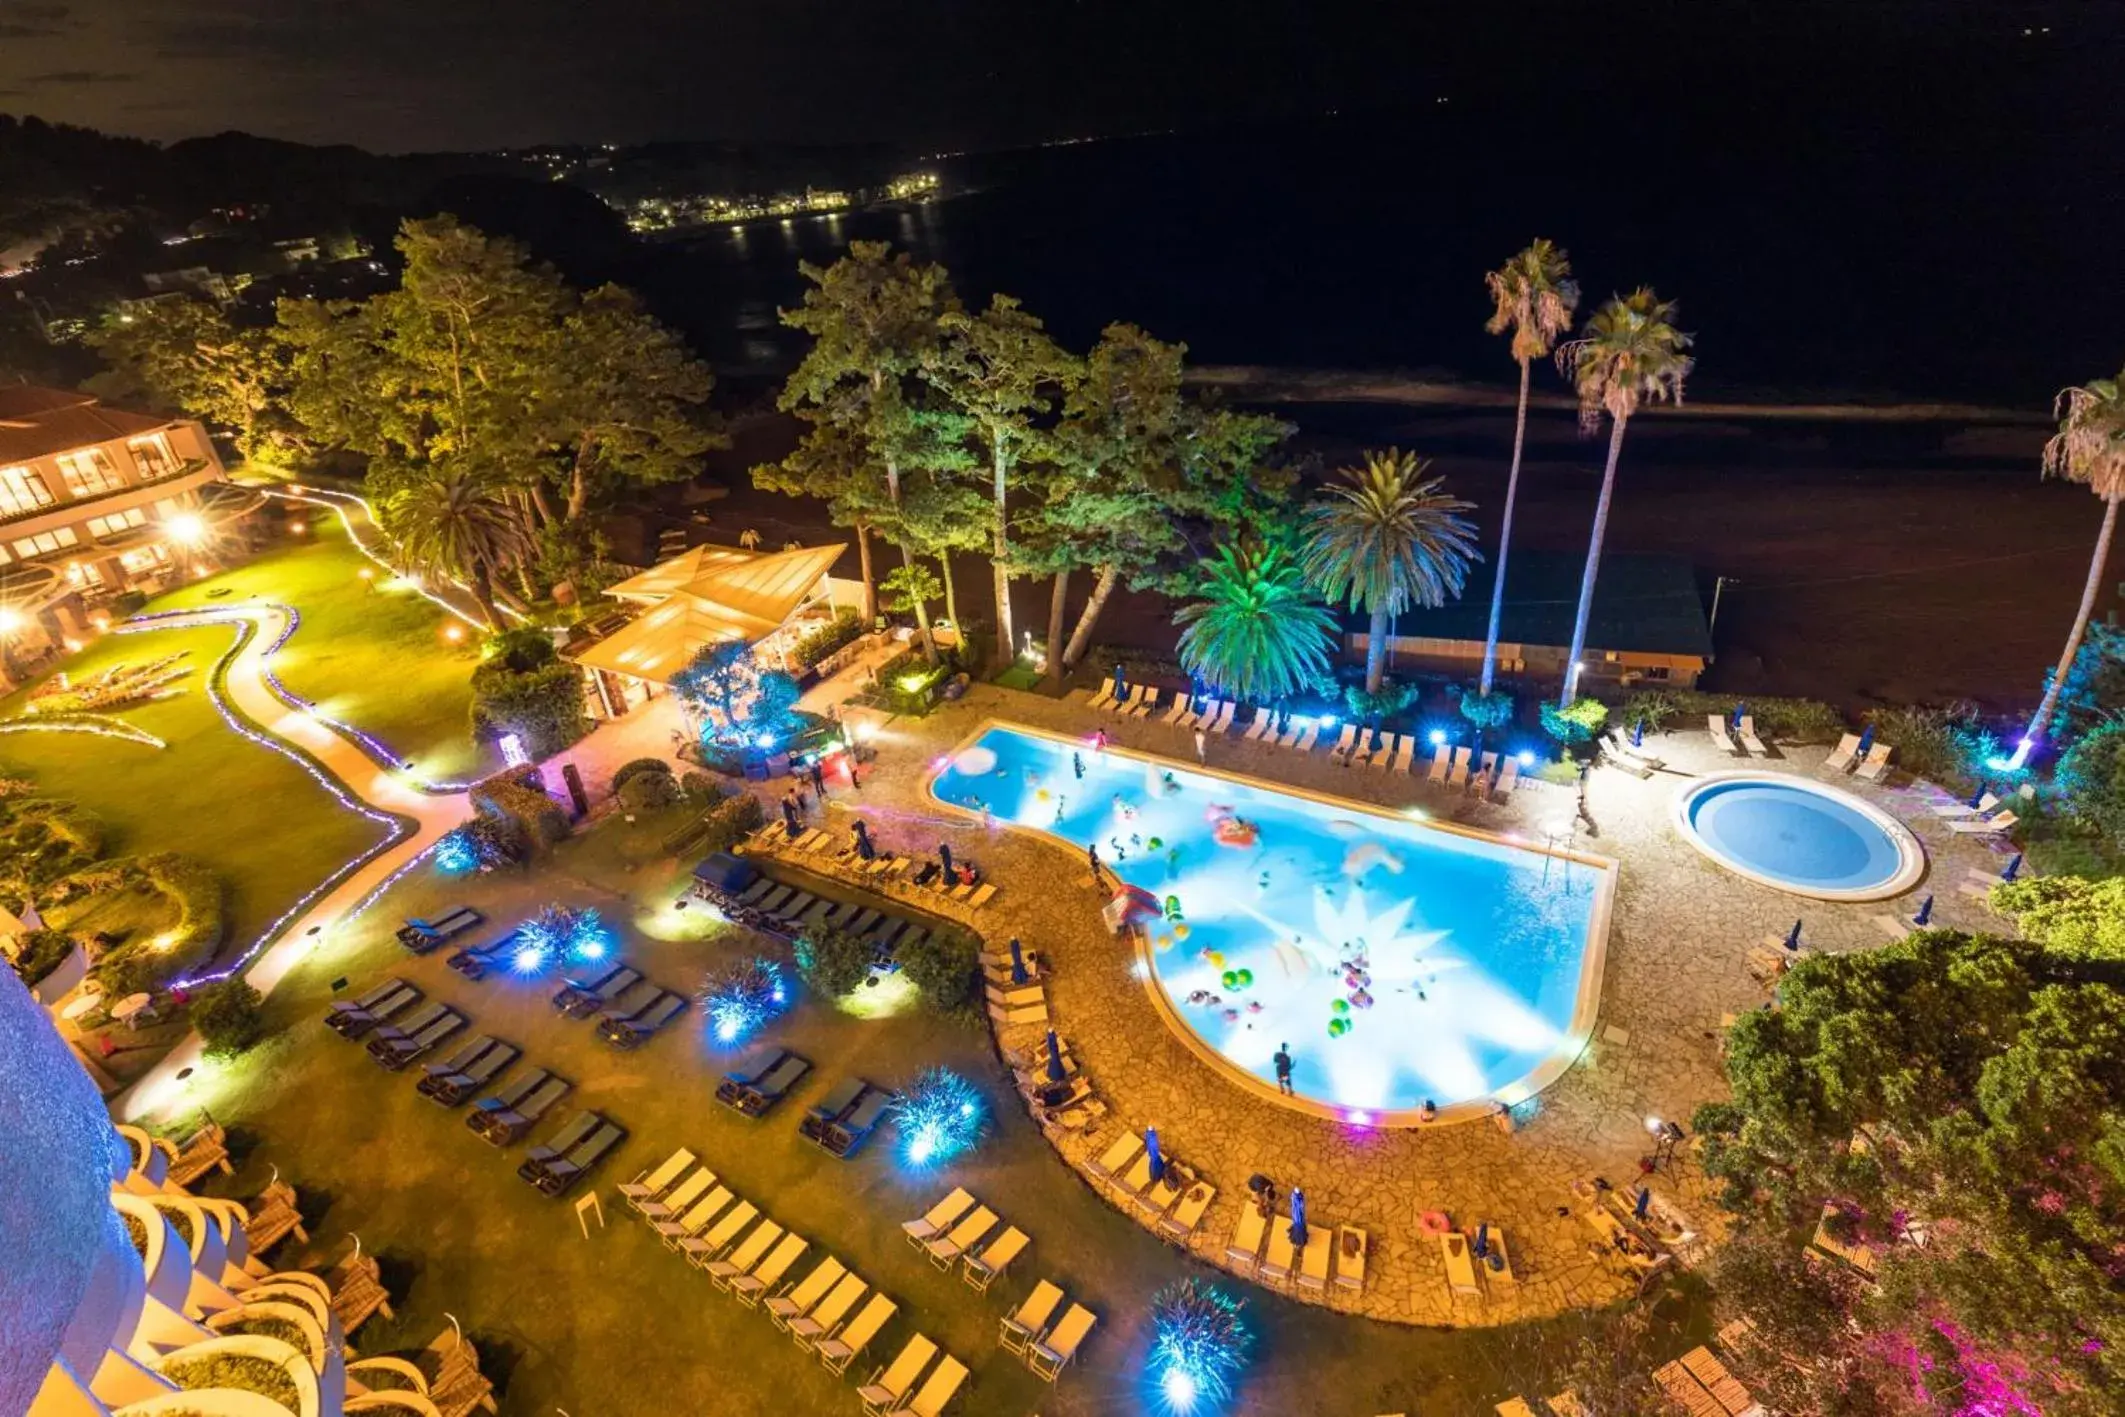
pixel 1434 1222
pixel 1230 979
pixel 1165 942
pixel 1180 932
pixel 1341 1006
pixel 1246 977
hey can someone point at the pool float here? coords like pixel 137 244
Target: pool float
pixel 1361 999
pixel 1165 942
pixel 1235 831
pixel 1337 1027
pixel 976 762
pixel 1217 812
pixel 1173 907
pixel 1154 843
pixel 1041 794
pixel 1230 979
pixel 1341 1006
pixel 1254 1006
pixel 1215 958
pixel 1180 932
pixel 1434 1222
pixel 1232 1015
pixel 1368 854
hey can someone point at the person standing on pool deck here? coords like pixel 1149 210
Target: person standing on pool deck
pixel 1092 855
pixel 1202 748
pixel 1283 1068
pixel 1099 740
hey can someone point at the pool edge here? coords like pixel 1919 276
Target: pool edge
pixel 1913 862
pixel 1593 966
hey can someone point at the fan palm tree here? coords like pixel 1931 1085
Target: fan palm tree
pixel 1386 539
pixel 2089 448
pixel 1258 633
pixel 1631 354
pixel 455 527
pixel 1533 295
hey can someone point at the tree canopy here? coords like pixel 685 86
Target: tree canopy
pixel 1258 632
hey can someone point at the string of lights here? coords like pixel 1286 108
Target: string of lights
pixel 97 726
pixel 338 506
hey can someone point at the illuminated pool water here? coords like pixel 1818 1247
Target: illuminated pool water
pixel 1799 836
pixel 1400 962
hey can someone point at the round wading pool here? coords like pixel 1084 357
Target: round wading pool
pixel 1799 836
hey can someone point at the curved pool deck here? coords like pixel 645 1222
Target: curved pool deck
pixel 1799 836
pixel 1400 959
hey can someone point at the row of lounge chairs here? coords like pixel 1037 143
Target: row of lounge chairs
pixel 760 1079
pixel 1046 1348
pixel 516 1108
pixel 1460 771
pixel 1066 1104
pixel 791 910
pixel 474 1065
pixel 555 1166
pixel 1739 738
pixel 1701 1385
pixel 1344 1249
pixel 948 1232
pixel 1174 1201
pixel 420 936
pixel 1847 757
pixel 842 1121
pixel 824 846
pixel 747 1255
pixel 397 1026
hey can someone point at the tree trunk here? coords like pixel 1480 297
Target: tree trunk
pixel 545 508
pixel 529 591
pixel 1002 553
pixel 1505 539
pixel 483 594
pixel 951 596
pixel 1081 637
pixel 1057 600
pixel 870 587
pixel 1376 652
pixel 2042 721
pixel 922 624
pixel 1593 561
pixel 579 479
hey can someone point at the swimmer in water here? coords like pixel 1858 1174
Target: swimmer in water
pixel 1077 765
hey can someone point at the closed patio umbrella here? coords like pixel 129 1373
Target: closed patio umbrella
pixel 1055 1062
pixel 1121 686
pixel 1977 797
pixel 863 841
pixel 1866 741
pixel 1482 1245
pixel 2014 868
pixel 1638 734
pixel 1298 1218
pixel 1156 1158
pixel 1925 912
pixel 944 854
pixel 1645 1202
pixel 1018 962
pixel 1793 937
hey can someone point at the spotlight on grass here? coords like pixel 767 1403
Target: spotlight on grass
pixel 1198 1345
pixel 938 1117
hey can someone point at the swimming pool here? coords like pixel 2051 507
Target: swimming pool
pixel 1399 961
pixel 1799 836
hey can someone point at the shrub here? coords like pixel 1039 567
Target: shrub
pixel 1653 711
pixel 700 787
pixel 44 838
pixel 2066 913
pixel 2091 781
pixel 40 952
pixel 648 791
pixel 229 1016
pixel 1368 707
pixel 1487 711
pixel 1787 720
pixel 522 649
pixel 818 644
pixel 496 841
pixel 834 962
pixel 260 1375
pixel 1948 745
pixel 942 969
pixel 1577 722
pixel 730 822
pixel 535 819
pixel 635 767
pixel 543 705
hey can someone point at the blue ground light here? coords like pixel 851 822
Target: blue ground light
pixel 940 1116
pixel 1199 1344
pixel 739 999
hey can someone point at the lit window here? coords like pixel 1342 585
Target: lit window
pixel 45 542
pixel 22 491
pixel 147 558
pixel 152 456
pixel 88 471
pixel 116 522
pixel 86 574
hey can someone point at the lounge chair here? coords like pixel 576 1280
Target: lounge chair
pixel 1258 726
pixel 747 1288
pixel 1145 705
pixel 846 1137
pixel 758 888
pixel 1716 725
pixel 1050 1355
pixel 774 898
pixel 1877 762
pixel 1390 744
pixel 1122 708
pixel 703 1250
pixel 831 1108
pixel 1508 779
pixel 560 1176
pixel 1840 759
pixel 1224 718
pixel 1199 718
pixel 1404 754
pixel 981 896
pixel 807 1329
pixel 1158 1197
pixel 420 936
pixel 891 1383
pixel 1457 776
pixel 1479 781
pixel 1352 1247
pixel 1956 807
pixel 1194 1203
pixel 1309 735
pixel 1104 697
pixel 750 1251
pixel 1014 998
pixel 578 1129
pixel 502 1125
pixel 839 1350
pixel 387 1000
pixel 407 1025
pixel 938 1217
pixel 1275 1267
pixel 800 1298
pixel 479 960
pixel 1746 732
pixel 937 1391
pixel 1341 751
pixel 577 1000
pixel 634 1032
pixel 1993 825
pixel 1368 741
pixel 1314 1262
pixel 467 1054
pixel 651 1185
pixel 1460 1265
pixel 1182 705
pixel 1496 1260
pixel 1115 1158
pixel 630 1001
pixel 394 1053
pixel 679 1199
pixel 944 1250
pixel 1029 1321
pixel 980 1271
pixel 205 1150
pixel 449 1089
pixel 1024 1016
pixel 1288 737
pixel 1441 758
pixel 694 1219
pixel 758 1098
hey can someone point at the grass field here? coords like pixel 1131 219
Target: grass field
pixel 369 653
pixel 615 1324
pixel 256 818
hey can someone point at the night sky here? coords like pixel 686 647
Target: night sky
pixel 398 75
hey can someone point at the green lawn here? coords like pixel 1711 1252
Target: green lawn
pixel 242 809
pixel 369 653
pixel 616 1325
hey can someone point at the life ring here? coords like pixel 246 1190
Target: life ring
pixel 1235 831
pixel 1434 1222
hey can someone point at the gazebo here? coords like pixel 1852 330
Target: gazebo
pixel 704 596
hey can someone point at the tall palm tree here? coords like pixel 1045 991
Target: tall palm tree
pixel 1258 633
pixel 2089 448
pixel 1386 539
pixel 1533 295
pixel 453 526
pixel 1631 354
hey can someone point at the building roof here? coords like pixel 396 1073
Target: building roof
pixel 1642 604
pixel 656 644
pixel 703 596
pixel 37 422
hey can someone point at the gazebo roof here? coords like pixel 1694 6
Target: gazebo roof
pixel 701 596
pixel 656 644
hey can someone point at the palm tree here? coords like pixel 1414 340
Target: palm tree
pixel 2089 448
pixel 1258 632
pixel 453 526
pixel 1630 354
pixel 1387 539
pixel 1533 295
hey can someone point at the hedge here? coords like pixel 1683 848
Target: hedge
pixel 512 797
pixel 834 962
pixel 942 968
pixel 728 823
pixel 818 644
pixel 648 791
pixel 634 767
pixel 40 952
pixel 543 706
pixel 2081 918
pixel 1787 720
pixel 228 1016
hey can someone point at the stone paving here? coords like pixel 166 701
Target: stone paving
pixel 1675 968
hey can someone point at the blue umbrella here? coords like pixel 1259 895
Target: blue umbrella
pixel 1793 939
pixel 1298 1218
pixel 1482 1245
pixel 1977 796
pixel 1055 1063
pixel 1156 1162
pixel 944 854
pixel 1740 712
pixel 1866 741
pixel 1638 734
pixel 2014 868
pixel 1120 686
pixel 1018 962
pixel 1925 912
pixel 1645 1202
pixel 863 841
